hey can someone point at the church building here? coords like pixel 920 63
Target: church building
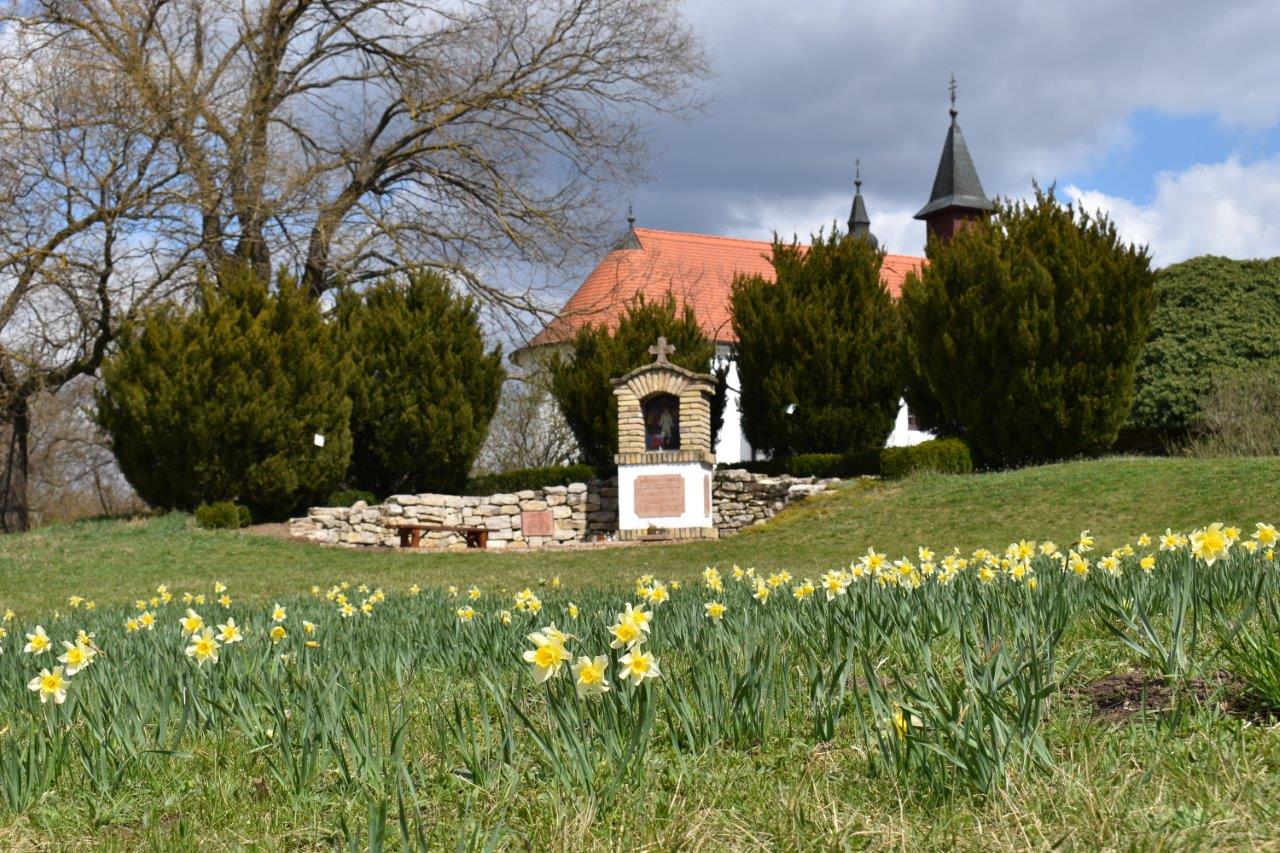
pixel 699 270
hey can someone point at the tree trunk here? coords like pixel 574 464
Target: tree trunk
pixel 14 511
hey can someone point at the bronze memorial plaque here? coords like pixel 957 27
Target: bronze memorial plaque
pixel 659 496
pixel 538 522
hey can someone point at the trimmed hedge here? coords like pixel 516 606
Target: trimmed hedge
pixel 347 497
pixel 941 455
pixel 820 465
pixel 530 478
pixel 223 515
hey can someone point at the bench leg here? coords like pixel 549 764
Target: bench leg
pixel 482 539
pixel 417 537
pixel 404 537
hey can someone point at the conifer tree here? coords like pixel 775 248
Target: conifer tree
pixel 425 387
pixel 1024 330
pixel 223 402
pixel 581 382
pixel 823 338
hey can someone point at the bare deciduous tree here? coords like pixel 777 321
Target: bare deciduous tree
pixel 528 430
pixel 148 141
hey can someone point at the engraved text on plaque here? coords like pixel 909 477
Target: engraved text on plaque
pixel 659 496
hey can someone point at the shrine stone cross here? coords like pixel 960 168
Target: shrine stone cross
pixel 662 349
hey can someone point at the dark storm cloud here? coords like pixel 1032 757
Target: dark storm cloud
pixel 1045 89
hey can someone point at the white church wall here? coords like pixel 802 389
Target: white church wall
pixel 903 435
pixel 731 444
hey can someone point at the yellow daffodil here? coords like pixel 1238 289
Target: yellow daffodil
pixel 657 594
pixel 278 634
pixel 414 590
pixel 147 621
pixel 804 590
pixel 588 675
pixel 225 601
pixel 762 592
pixel 278 614
pixel 572 610
pixel 38 642
pixel 309 627
pixel 834 583
pixel 637 616
pixel 1085 543
pixel 625 634
pixel 547 656
pixel 638 665
pixel 191 623
pixel 1265 534
pixel 1211 543
pixel 466 614
pixel 204 647
pixel 473 593
pixel 504 616
pixel 714 610
pixel 50 685
pixel 347 611
pixel 76 657
pixel 1147 563
pixel 229 632
pixel 219 587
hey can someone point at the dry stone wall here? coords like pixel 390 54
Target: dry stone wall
pixel 580 512
pixel 743 499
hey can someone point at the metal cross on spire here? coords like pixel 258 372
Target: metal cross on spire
pixel 662 349
pixel 631 216
pixel 857 173
pixel 952 88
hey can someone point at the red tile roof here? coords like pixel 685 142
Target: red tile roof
pixel 697 268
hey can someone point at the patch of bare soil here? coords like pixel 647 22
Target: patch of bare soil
pixel 278 531
pixel 1116 697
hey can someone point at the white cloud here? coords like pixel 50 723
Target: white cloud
pixel 1226 208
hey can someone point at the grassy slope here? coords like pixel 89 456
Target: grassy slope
pixel 113 561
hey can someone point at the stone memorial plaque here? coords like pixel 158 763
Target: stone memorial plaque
pixel 537 523
pixel 659 496
pixel 706 495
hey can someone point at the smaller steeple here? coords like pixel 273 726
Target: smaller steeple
pixel 859 222
pixel 628 240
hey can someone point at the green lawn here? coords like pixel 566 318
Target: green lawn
pixel 113 561
pixel 415 720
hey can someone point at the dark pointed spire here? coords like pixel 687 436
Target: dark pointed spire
pixel 859 222
pixel 956 186
pixel 629 240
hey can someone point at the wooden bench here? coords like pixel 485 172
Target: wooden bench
pixel 411 534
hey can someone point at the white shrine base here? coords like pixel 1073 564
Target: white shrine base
pixel 696 486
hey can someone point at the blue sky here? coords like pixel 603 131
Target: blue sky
pixel 1164 114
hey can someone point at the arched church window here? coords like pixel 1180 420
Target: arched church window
pixel 662 422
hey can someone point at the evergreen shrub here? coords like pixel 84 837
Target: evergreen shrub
pixel 939 455
pixel 817 352
pixel 223 515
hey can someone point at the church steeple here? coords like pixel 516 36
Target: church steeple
pixel 628 240
pixel 957 196
pixel 859 222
